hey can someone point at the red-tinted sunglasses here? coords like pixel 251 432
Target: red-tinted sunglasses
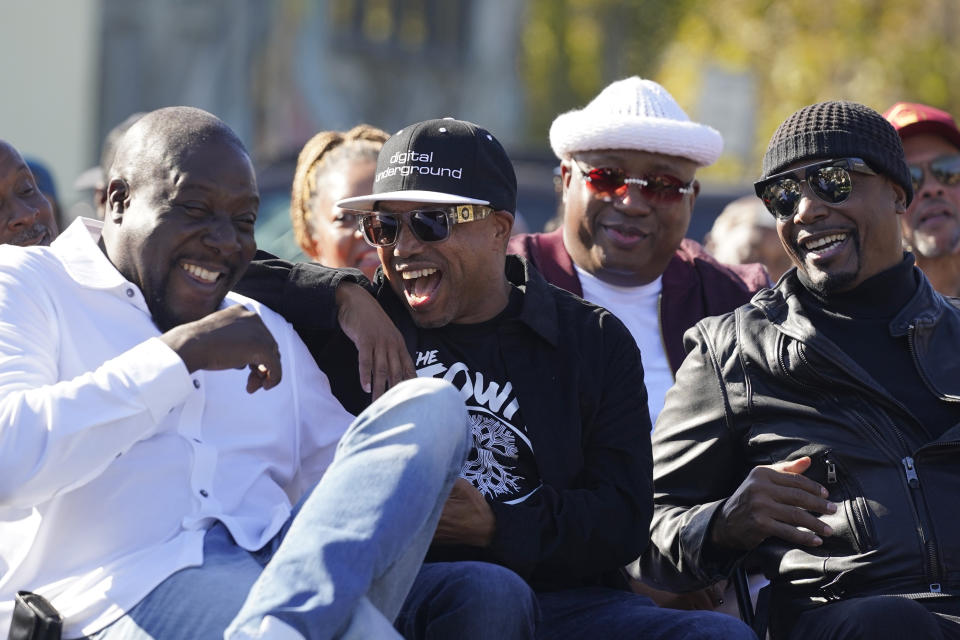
pixel 610 182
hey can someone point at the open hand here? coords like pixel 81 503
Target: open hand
pixel 383 357
pixel 774 500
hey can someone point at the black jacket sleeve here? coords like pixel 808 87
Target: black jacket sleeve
pixel 697 460
pixel 302 292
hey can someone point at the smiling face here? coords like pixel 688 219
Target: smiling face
pixel 181 228
pixel 627 241
pixel 458 280
pixel 932 223
pixel 26 217
pixel 336 238
pixel 838 246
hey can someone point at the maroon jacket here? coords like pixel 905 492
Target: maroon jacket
pixel 694 284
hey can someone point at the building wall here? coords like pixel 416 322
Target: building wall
pixel 48 58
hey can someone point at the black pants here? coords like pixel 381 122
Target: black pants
pixel 879 617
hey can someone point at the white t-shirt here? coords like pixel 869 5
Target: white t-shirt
pixel 637 308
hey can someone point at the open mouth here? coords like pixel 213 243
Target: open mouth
pixel 420 285
pixel 202 274
pixel 824 245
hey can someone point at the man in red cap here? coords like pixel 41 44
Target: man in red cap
pixel 931 226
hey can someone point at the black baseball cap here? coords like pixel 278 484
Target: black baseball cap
pixel 443 161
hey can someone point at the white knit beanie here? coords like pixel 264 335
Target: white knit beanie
pixel 635 114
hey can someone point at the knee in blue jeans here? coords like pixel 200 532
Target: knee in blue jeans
pixel 488 600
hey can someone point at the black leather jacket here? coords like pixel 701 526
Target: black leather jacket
pixel 761 385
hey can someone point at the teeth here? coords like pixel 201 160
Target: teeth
pixel 417 273
pixel 200 272
pixel 824 241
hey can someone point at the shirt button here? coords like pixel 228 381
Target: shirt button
pixel 204 493
pixel 196 384
pixel 129 293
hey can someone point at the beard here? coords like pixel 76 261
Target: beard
pixel 824 284
pixel 930 246
pixel 27 236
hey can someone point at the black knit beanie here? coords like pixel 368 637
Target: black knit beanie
pixel 839 129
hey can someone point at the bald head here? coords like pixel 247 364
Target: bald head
pixel 158 140
pixel 26 217
pixel 181 205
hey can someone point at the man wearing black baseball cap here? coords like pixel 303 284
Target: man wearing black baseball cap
pixel 555 496
pixel 817 428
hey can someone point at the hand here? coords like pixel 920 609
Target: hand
pixel 706 599
pixel 774 500
pixel 383 357
pixel 466 517
pixel 232 338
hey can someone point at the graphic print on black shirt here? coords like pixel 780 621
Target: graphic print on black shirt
pixel 501 462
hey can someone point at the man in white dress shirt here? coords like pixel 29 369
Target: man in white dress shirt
pixel 148 483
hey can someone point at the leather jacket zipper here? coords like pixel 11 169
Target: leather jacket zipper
pixel 851 493
pixel 932 559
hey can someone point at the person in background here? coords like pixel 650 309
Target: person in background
pixel 94 179
pixel 931 226
pixel 26 216
pixel 48 188
pixel 745 232
pixel 334 165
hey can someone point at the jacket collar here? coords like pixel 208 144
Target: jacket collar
pixel 782 307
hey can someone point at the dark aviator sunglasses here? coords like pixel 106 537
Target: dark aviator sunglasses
pixel 945 170
pixel 382 229
pixel 829 180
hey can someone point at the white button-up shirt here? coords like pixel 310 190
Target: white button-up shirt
pixel 114 460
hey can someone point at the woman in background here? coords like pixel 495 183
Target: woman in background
pixel 331 166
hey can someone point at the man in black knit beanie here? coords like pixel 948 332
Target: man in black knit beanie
pixel 816 429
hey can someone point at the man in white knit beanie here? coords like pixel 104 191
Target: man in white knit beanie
pixel 628 164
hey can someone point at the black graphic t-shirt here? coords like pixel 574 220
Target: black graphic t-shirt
pixel 501 462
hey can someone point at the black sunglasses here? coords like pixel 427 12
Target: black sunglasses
pixel 828 179
pixel 381 229
pixel 945 169
pixel 610 182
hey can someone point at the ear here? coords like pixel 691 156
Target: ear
pixel 565 175
pixel 900 202
pixel 502 224
pixel 696 192
pixel 118 199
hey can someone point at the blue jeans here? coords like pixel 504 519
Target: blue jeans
pixel 347 556
pixel 480 601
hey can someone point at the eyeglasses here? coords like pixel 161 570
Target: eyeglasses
pixel 945 169
pixel 829 180
pixel 610 182
pixel 428 225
